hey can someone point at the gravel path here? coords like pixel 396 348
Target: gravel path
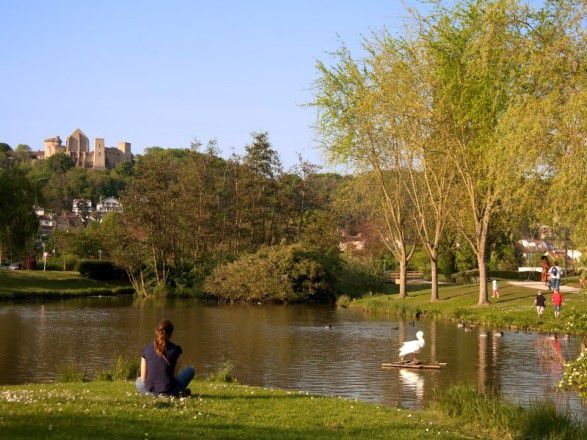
pixel 539 285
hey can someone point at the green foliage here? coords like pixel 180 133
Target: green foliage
pixel 542 420
pixel 447 262
pixel 63 262
pixel 357 277
pixel 576 321
pixel 343 301
pixel 465 276
pixel 18 221
pixel 59 163
pixel 68 372
pixel 124 369
pixel 274 274
pixel 224 374
pixel 575 375
pixel 421 262
pixel 100 270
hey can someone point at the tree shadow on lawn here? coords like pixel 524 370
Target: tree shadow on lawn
pixel 184 426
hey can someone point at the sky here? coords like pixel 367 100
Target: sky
pixel 164 73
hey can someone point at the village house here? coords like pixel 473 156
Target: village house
pixel 109 204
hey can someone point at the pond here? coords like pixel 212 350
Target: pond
pixel 291 347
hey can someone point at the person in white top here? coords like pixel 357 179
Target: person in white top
pixel 495 293
pixel 555 276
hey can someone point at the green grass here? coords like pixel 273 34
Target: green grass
pixel 501 419
pixel 514 308
pixel 25 284
pixel 112 410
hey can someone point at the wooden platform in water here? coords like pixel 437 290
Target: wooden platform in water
pixel 415 365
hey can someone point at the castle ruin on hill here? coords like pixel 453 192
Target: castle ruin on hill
pixel 77 146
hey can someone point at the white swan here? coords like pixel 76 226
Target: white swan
pixel 412 347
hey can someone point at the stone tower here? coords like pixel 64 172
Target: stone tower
pixel 99 154
pixel 124 147
pixel 53 146
pixel 78 146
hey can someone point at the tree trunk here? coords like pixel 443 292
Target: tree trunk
pixel 403 276
pixel 483 299
pixel 434 277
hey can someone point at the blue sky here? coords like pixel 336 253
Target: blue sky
pixel 164 72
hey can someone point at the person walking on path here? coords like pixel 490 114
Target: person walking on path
pixel 555 276
pixel 159 366
pixel 495 289
pixel 557 301
pixel 540 303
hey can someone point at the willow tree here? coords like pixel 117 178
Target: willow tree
pixel 356 131
pixel 494 106
pixel 559 67
pixel 414 121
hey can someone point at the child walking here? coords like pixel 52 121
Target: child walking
pixel 495 293
pixel 540 303
pixel 557 301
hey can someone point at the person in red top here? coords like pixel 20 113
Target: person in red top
pixel 557 301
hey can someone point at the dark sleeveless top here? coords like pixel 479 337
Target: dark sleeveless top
pixel 160 369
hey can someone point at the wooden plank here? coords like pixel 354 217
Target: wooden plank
pixel 416 366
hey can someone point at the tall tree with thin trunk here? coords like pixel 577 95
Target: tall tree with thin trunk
pixel 356 132
pixel 493 104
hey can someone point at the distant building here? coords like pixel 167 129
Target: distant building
pixel 352 243
pixel 77 146
pixel 68 221
pixel 109 204
pixel 81 207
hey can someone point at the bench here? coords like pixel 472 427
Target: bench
pixel 410 275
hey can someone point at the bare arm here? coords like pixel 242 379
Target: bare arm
pixel 143 369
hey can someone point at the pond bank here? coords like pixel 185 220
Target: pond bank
pixel 27 284
pixel 514 309
pixel 216 410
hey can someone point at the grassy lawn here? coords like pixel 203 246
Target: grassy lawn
pixel 38 284
pixel 514 308
pixel 112 410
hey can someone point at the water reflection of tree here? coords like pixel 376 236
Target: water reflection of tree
pixel 482 368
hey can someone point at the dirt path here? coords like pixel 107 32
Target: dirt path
pixel 539 285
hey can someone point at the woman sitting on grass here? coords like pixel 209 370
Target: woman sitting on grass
pixel 159 366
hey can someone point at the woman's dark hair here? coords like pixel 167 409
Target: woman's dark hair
pixel 163 333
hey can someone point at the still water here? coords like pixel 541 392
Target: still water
pixel 289 347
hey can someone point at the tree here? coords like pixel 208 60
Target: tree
pixel 59 163
pixel 5 148
pixel 412 121
pixel 496 104
pixel 18 222
pixel 355 130
pixel 23 153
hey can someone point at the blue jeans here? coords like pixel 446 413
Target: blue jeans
pixel 184 377
pixel 556 283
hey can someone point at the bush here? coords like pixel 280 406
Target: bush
pixel 275 274
pixel 575 376
pixel 70 372
pixel 124 369
pixel 65 262
pixel 355 278
pixel 101 270
pixel 224 374
pixel 343 301
pixel 465 277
